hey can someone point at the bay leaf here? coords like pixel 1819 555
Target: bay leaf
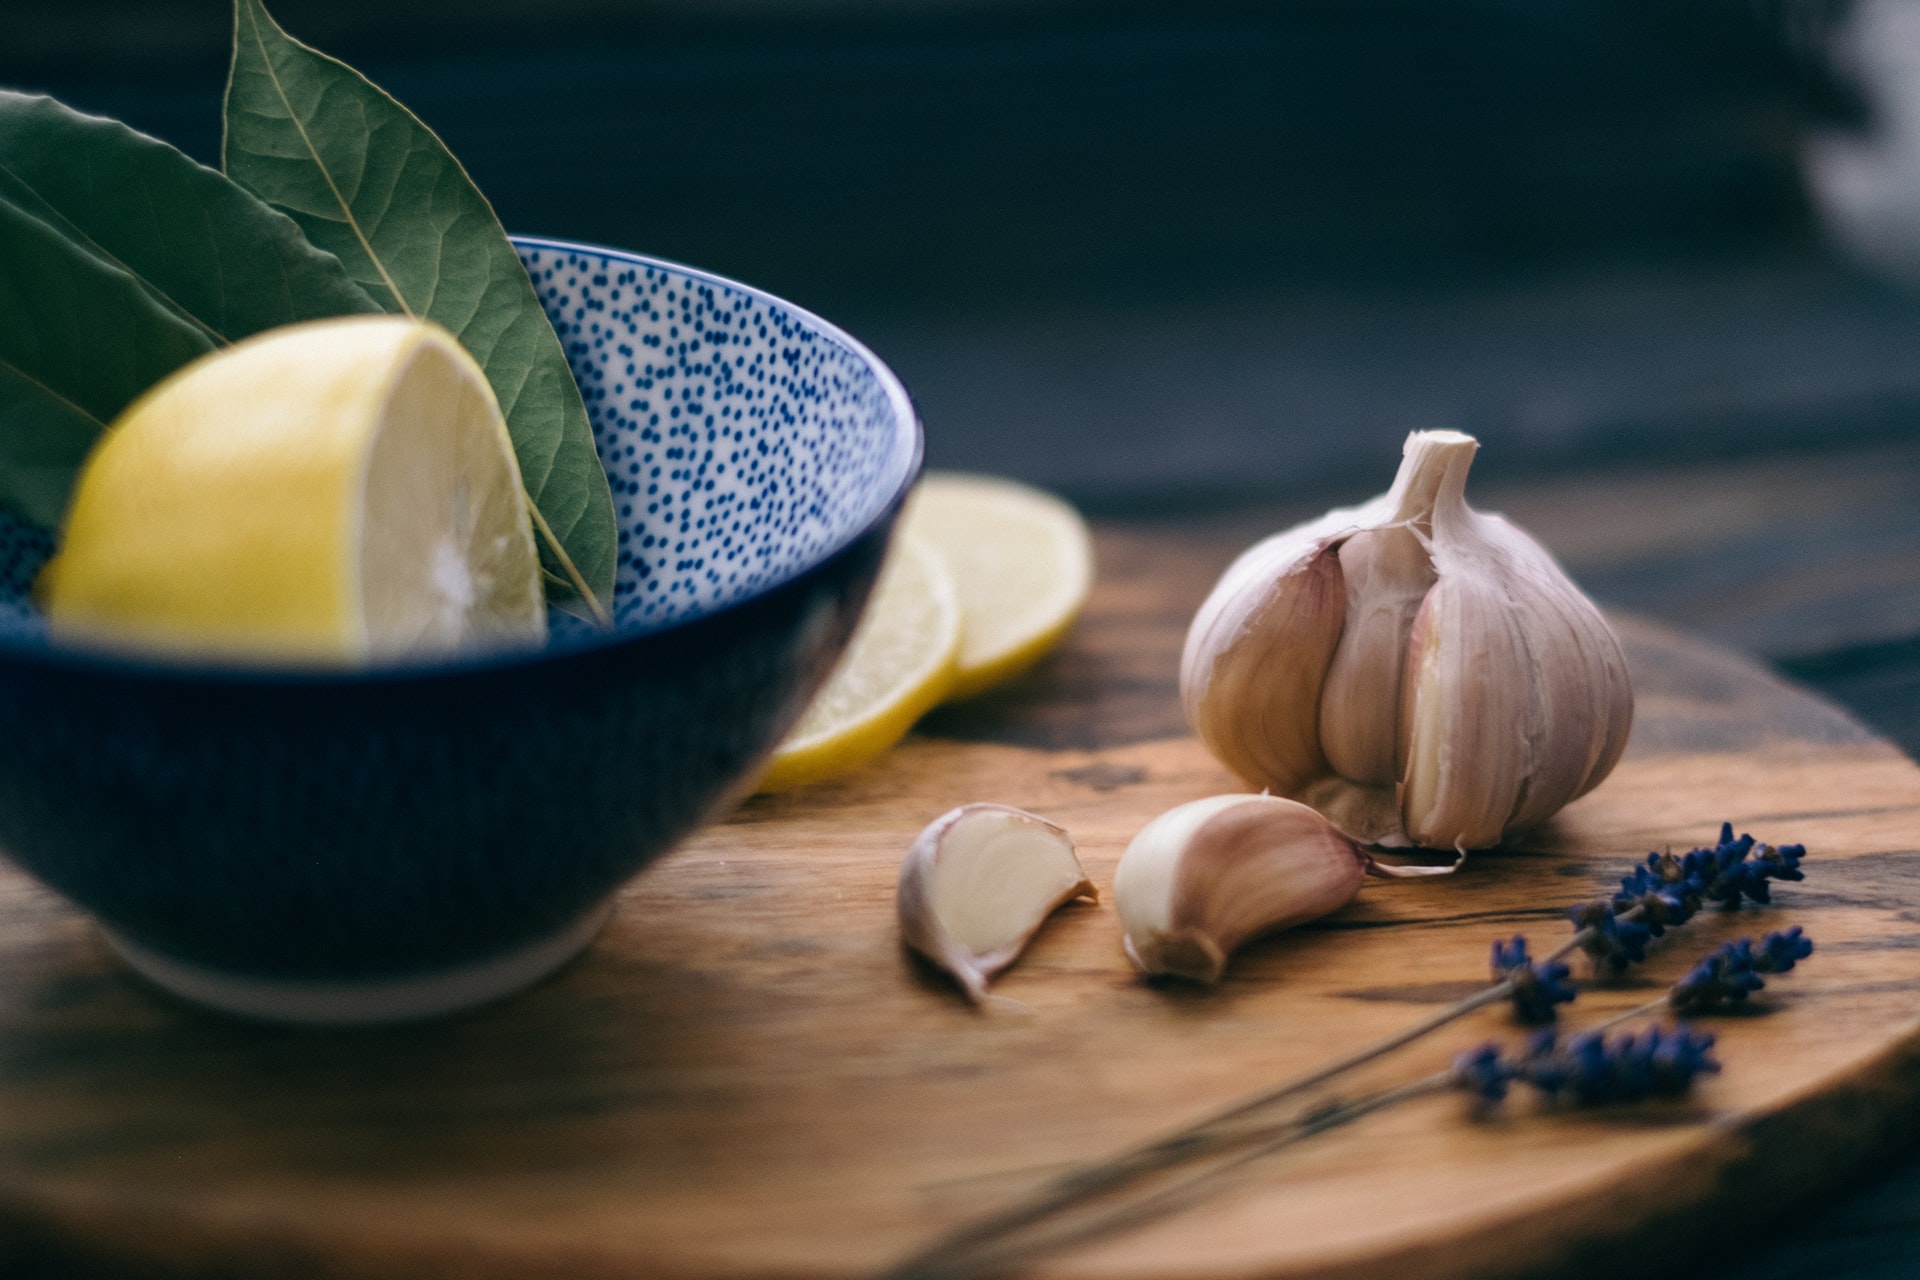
pixel 369 182
pixel 203 246
pixel 121 259
pixel 79 339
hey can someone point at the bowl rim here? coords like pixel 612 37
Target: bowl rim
pixel 908 451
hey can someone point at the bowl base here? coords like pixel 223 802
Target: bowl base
pixel 370 1001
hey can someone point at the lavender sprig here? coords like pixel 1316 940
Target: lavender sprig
pixel 1732 972
pixel 1728 975
pixel 1589 1068
pixel 1662 892
pixel 1665 891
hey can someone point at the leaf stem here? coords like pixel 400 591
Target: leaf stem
pixel 601 618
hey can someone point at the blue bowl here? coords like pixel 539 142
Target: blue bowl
pixel 394 843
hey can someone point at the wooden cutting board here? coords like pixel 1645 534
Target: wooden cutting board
pixel 746 1077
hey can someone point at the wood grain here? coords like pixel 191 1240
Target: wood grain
pixel 746 1076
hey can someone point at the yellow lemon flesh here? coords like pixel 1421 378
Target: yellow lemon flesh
pixel 1021 561
pixel 333 493
pixel 898 665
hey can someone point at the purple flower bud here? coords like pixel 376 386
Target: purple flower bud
pixel 1537 985
pixel 1482 1072
pixel 1779 952
pixel 1592 1070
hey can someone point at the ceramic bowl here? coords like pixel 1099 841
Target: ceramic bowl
pixel 352 847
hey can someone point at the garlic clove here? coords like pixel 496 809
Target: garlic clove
pixel 977 885
pixel 1202 879
pixel 1387 574
pixel 1265 654
pixel 1468 711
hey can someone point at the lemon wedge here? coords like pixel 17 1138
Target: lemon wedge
pixel 1021 561
pixel 897 667
pixel 335 493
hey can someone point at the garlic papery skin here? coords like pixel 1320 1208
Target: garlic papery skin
pixel 1261 645
pixel 1469 690
pixel 978 883
pixel 1202 879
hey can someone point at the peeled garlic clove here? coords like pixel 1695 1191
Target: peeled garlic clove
pixel 978 883
pixel 1201 879
pixel 1471 691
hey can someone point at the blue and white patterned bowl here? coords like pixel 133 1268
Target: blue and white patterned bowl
pixel 394 843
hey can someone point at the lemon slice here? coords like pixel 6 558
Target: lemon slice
pixel 333 493
pixel 1021 560
pixel 896 668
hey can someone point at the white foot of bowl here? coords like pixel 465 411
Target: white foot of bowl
pixel 371 1002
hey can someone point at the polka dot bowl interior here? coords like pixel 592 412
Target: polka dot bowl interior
pixel 350 847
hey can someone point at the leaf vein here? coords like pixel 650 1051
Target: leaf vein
pixel 48 391
pixel 74 230
pixel 313 152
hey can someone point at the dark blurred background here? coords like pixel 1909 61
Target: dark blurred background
pixel 1211 261
pixel 1254 243
pixel 1148 253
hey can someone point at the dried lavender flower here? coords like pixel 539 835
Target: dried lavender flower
pixel 1482 1071
pixel 1731 973
pixel 1781 950
pixel 1537 985
pixel 1726 874
pixel 1664 891
pixel 1651 1063
pixel 1605 937
pixel 1589 1068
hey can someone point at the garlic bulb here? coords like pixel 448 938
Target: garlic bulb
pixel 978 883
pixel 1203 878
pixel 1418 671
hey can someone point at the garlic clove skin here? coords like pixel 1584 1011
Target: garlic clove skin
pixel 1388 574
pixel 978 883
pixel 1202 879
pixel 1467 706
pixel 1263 649
pixel 1457 687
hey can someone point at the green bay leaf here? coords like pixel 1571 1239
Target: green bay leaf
pixel 120 260
pixel 367 181
pixel 79 339
pixel 201 245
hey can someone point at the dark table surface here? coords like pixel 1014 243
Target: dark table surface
pixel 1214 267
